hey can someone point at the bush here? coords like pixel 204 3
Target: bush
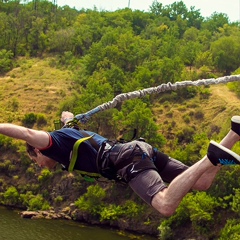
pixel 111 212
pixel 199 114
pixel 38 203
pixel 6 142
pixel 41 119
pixel 29 119
pixel 45 175
pixel 236 201
pixel 11 196
pixel 34 202
pixel 132 209
pixel 129 210
pixel 58 199
pixel 198 208
pixel 185 135
pixel 6 62
pixel 231 230
pixel 92 200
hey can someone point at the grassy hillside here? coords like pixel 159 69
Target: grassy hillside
pixel 33 87
pixel 36 87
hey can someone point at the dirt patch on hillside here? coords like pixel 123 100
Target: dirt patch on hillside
pixel 222 91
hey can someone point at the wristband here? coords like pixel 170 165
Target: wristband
pixel 67 120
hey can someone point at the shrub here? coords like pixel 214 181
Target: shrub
pixel 198 208
pixel 92 200
pixel 38 203
pixel 11 196
pixel 41 119
pixel 31 171
pixel 185 135
pixel 6 142
pixel 199 114
pixel 236 201
pixel 186 119
pixel 45 175
pixel 6 62
pixel 29 119
pixel 132 209
pixel 34 202
pixel 129 210
pixel 111 212
pixel 231 230
pixel 58 199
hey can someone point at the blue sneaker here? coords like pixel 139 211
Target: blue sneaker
pixel 219 154
pixel 235 124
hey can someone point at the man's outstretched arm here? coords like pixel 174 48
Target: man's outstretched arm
pixel 36 138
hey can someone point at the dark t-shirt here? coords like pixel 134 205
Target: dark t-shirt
pixel 61 145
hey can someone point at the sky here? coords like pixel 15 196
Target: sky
pixel 206 7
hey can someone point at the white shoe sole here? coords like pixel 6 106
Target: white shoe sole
pixel 235 155
pixel 235 119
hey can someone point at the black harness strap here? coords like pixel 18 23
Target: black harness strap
pixel 91 140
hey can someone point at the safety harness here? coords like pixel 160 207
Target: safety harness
pixel 112 156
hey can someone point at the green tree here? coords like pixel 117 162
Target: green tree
pixel 215 21
pixel 189 52
pixel 225 53
pixel 61 40
pixel 6 60
pixel 139 117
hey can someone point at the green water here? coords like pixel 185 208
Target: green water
pixel 14 227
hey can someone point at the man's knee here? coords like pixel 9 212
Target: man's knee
pixel 162 205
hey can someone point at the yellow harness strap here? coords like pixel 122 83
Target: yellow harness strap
pixel 75 152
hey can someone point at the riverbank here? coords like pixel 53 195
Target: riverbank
pixel 71 213
pixel 14 227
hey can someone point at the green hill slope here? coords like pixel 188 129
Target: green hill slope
pixel 34 87
pixel 37 87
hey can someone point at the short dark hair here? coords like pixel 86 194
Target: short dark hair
pixel 30 150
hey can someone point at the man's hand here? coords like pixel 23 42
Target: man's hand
pixel 66 116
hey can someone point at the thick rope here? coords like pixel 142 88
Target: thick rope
pixel 83 118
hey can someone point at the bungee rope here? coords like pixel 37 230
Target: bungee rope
pixel 84 117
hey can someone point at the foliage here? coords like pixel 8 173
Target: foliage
pixel 109 53
pixel 197 208
pixel 92 200
pixel 11 196
pixel 111 212
pixel 41 119
pixel 231 230
pixel 45 175
pixel 6 60
pixel 6 142
pixel 236 201
pixel 29 119
pixel 225 53
pixel 37 203
pixel 129 210
pixel 140 118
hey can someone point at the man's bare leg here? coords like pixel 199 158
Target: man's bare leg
pixel 205 181
pixel 167 201
pixel 200 175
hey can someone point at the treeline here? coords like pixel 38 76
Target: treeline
pixel 121 51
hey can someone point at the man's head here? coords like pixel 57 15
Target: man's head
pixel 39 158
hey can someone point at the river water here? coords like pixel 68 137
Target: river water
pixel 14 227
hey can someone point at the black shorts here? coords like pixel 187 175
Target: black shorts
pixel 149 182
pixel 159 168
